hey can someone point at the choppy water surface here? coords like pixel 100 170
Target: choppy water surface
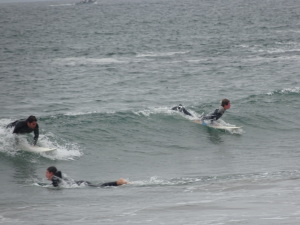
pixel 102 77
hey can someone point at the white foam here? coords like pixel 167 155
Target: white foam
pixel 75 61
pixel 286 91
pixel 152 181
pixel 151 111
pixel 288 31
pixel 7 138
pixel 231 130
pixel 287 51
pixel 80 113
pixel 66 151
pixel 161 54
pixel 59 5
pixel 8 145
pixel 168 111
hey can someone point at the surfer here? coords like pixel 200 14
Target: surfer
pixel 215 115
pixel 55 176
pixel 26 126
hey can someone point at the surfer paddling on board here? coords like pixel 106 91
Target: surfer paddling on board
pixel 55 176
pixel 26 126
pixel 215 115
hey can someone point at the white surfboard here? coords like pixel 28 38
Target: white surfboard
pixel 229 128
pixel 217 126
pixel 37 149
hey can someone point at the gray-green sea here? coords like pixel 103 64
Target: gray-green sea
pixel 102 78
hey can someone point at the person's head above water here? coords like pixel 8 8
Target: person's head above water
pixel 31 122
pixel 52 171
pixel 225 103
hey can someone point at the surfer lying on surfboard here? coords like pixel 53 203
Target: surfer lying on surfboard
pixel 26 126
pixel 214 116
pixel 56 177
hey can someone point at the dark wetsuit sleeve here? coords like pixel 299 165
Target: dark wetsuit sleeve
pixel 12 124
pixel 55 181
pixel 36 134
pixel 109 184
pixel 215 115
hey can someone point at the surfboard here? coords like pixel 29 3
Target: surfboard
pixel 217 126
pixel 37 149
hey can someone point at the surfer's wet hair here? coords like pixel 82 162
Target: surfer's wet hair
pixel 31 119
pixel 224 102
pixel 52 169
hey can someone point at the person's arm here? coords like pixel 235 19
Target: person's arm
pixel 219 112
pixel 212 116
pixel 114 183
pixel 55 181
pixel 215 115
pixel 36 134
pixel 12 124
pixel 121 181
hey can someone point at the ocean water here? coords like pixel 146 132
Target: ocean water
pixel 101 79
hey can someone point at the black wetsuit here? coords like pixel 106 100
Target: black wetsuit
pixel 57 179
pixel 212 116
pixel 22 128
pixel 215 115
pixel 180 108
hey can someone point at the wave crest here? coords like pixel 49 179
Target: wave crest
pixel 295 90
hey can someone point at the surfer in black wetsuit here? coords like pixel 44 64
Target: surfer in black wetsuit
pixel 215 115
pixel 55 176
pixel 225 104
pixel 26 126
